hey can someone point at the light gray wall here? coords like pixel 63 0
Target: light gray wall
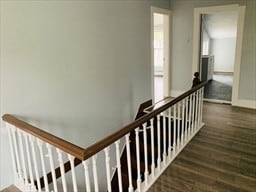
pixel 182 46
pixel 224 54
pixel 78 69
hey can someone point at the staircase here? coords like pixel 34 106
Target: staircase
pixel 150 144
pixel 124 168
pixel 151 148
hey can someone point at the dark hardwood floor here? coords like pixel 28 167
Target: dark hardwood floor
pixel 221 157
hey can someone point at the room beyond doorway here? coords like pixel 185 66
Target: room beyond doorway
pixel 160 20
pixel 197 43
pixel 218 43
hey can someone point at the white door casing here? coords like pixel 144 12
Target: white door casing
pixel 239 40
pixel 167 40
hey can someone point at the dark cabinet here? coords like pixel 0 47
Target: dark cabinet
pixel 207 67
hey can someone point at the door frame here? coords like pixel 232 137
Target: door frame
pixel 239 41
pixel 166 75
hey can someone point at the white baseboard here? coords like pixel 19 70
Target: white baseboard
pixel 176 93
pixel 223 73
pixel 217 101
pixel 245 103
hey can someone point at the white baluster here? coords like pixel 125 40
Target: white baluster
pixel 202 102
pixel 40 145
pixel 24 170
pixel 71 160
pixel 138 159
pixel 145 152
pixel 29 159
pixel 178 127
pixel 193 113
pixel 164 137
pixel 17 157
pixel 128 154
pixel 199 107
pixel 152 147
pixel 158 143
pixel 189 115
pixel 196 110
pixel 62 170
pixel 183 122
pixel 95 174
pixel 186 120
pixel 169 133
pixel 32 140
pixel 49 148
pixel 107 159
pixel 12 149
pixel 118 163
pixel 174 128
pixel 195 118
pixel 87 177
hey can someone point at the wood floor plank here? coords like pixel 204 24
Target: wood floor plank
pixel 220 162
pixel 221 157
pixel 240 135
pixel 248 142
pixel 213 172
pixel 209 181
pixel 227 148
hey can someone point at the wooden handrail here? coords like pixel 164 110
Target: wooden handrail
pixel 95 148
pixel 62 144
pixel 84 154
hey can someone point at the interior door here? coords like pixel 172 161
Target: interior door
pixel 160 53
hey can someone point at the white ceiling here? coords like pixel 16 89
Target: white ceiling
pixel 221 25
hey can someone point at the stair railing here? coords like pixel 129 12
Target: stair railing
pixel 38 157
pixel 33 148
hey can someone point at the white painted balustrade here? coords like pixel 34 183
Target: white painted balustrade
pixel 155 141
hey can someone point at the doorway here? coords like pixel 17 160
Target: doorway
pixel 218 43
pixel 197 41
pixel 160 23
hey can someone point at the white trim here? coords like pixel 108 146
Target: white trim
pixel 217 101
pixel 239 40
pixel 160 10
pixel 166 72
pixel 238 53
pixel 167 51
pixel 152 52
pixel 245 103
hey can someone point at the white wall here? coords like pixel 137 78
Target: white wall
pixel 224 54
pixel 182 45
pixel 78 69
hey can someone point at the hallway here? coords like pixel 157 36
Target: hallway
pixel 221 157
pixel 220 88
